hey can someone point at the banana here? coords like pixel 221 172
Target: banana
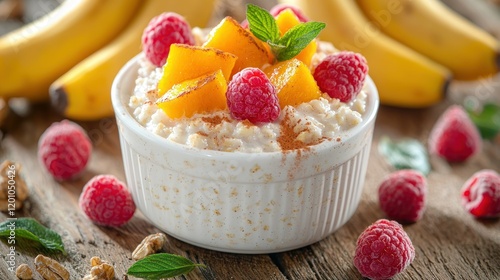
pixel 483 13
pixel 404 78
pixel 33 56
pixel 436 31
pixel 83 93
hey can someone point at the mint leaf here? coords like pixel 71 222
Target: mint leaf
pixel 163 265
pixel 262 24
pixel 30 229
pixel 405 154
pixel 487 121
pixel 297 38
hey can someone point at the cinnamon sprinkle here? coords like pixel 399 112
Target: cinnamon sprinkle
pixel 288 137
pixel 215 120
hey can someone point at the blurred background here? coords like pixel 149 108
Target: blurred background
pixel 484 14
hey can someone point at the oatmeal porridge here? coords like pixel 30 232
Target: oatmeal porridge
pixel 298 126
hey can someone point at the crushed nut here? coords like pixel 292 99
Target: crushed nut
pixel 24 272
pixel 13 189
pixel 149 245
pixel 100 270
pixel 50 269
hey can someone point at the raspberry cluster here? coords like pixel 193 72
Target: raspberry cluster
pixel 64 149
pixel 342 75
pixel 106 201
pixel 250 95
pixel 454 136
pixel 383 250
pixel 162 31
pixel 481 194
pixel 402 195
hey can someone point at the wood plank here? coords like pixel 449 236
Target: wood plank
pixel 450 244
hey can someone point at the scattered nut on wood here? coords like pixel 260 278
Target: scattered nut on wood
pixel 24 272
pixel 100 270
pixel 50 269
pixel 149 245
pixel 13 189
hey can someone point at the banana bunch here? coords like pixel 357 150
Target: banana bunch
pixel 71 55
pixel 414 48
pixel 32 57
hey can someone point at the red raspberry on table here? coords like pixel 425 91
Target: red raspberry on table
pixel 162 31
pixel 383 250
pixel 481 194
pixel 64 149
pixel 402 195
pixel 341 75
pixel 250 95
pixel 454 137
pixel 106 201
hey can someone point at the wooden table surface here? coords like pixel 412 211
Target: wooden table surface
pixel 449 243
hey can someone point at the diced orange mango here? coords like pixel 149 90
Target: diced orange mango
pixel 185 62
pixel 286 20
pixel 203 94
pixel 293 81
pixel 230 37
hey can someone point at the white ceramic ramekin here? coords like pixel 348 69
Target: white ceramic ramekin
pixel 242 202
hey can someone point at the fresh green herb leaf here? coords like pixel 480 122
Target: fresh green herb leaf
pixel 487 121
pixel 405 154
pixel 162 265
pixel 30 229
pixel 297 38
pixel 263 25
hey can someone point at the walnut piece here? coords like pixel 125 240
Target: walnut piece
pixel 24 272
pixel 50 269
pixel 13 189
pixel 100 270
pixel 149 245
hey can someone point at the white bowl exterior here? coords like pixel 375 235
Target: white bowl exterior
pixel 242 202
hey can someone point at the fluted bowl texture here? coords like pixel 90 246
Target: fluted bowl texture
pixel 235 202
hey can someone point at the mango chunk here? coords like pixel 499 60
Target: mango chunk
pixel 286 20
pixel 230 37
pixel 203 94
pixel 294 82
pixel 185 62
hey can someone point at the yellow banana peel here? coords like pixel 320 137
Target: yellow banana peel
pixel 436 31
pixel 83 93
pixel 404 77
pixel 32 57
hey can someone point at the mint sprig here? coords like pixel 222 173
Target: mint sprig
pixel 487 121
pixel 263 26
pixel 406 153
pixel 162 265
pixel 29 229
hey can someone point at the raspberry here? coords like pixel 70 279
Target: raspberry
pixel 481 194
pixel 277 9
pixel 162 31
pixel 250 95
pixel 454 137
pixel 106 201
pixel 341 75
pixel 402 195
pixel 64 149
pixel 383 250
